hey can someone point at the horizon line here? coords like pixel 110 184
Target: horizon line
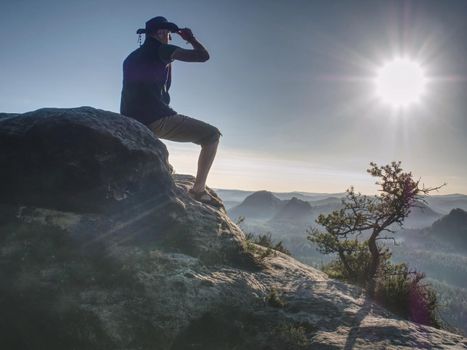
pixel 305 192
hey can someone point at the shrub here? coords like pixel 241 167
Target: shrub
pixel 273 299
pixel 405 293
pixel 266 241
pixel 398 289
pixel 290 336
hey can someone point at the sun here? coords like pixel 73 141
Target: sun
pixel 400 82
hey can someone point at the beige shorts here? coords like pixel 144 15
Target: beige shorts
pixel 181 128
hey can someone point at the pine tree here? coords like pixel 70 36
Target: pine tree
pixel 369 216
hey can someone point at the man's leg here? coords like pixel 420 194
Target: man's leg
pixel 185 129
pixel 206 157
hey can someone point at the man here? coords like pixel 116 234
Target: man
pixel 145 97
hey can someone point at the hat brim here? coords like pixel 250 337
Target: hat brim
pixel 167 25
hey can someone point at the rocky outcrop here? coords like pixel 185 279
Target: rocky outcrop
pixel 162 274
pixel 83 159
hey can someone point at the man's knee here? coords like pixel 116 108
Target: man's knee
pixel 212 138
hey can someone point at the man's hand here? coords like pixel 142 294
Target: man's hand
pixel 198 54
pixel 186 34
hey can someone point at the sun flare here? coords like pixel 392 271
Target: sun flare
pixel 400 82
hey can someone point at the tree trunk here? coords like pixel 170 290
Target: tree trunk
pixel 374 263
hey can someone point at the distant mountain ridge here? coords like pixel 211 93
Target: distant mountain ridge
pixel 265 205
pixel 439 203
pixel 261 204
pixel 452 228
pixel 235 197
pixel 445 203
pixel 421 215
pixel 294 210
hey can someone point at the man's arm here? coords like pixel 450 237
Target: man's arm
pixel 198 54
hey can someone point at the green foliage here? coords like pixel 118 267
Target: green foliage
pixel 446 271
pixel 399 290
pixel 265 240
pixel 281 248
pixel 240 220
pixel 357 258
pixel 365 261
pixel 359 263
pixel 252 247
pixel 273 299
pixel 405 293
pixel 290 336
pixel 361 260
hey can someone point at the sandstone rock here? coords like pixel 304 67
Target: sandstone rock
pixel 162 275
pixel 80 159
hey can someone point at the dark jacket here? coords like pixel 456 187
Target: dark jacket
pixel 146 82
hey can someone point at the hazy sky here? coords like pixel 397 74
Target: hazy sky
pixel 289 83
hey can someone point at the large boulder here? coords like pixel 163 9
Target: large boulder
pixel 146 266
pixel 80 159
